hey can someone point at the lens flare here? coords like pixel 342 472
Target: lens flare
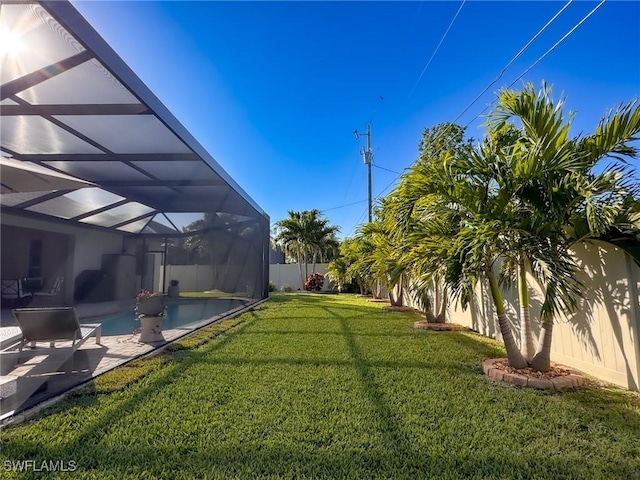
pixel 10 43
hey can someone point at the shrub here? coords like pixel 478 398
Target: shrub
pixel 272 286
pixel 287 288
pixel 314 282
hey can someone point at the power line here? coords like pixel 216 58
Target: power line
pixel 517 55
pixel 343 206
pixel 506 67
pixel 534 63
pixel 555 45
pixel 385 188
pixel 564 37
pixel 435 51
pixel 386 169
pixel 360 218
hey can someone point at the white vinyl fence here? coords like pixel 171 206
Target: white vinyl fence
pixel 192 278
pixel 288 274
pixel 602 337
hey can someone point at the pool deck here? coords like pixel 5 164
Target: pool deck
pixel 42 377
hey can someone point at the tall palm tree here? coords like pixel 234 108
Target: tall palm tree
pixel 303 235
pixel 212 238
pixel 514 198
pixel 424 225
pixel 564 194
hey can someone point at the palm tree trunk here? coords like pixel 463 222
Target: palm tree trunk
pixel 442 316
pixel 300 265
pixel 314 262
pixel 392 300
pixel 542 359
pixel 306 266
pixel 214 271
pixel 526 334
pixel 514 356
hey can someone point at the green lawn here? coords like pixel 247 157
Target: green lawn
pixel 323 386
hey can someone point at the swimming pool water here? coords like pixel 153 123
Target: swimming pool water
pixel 181 313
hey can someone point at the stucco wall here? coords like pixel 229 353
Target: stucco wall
pixel 86 246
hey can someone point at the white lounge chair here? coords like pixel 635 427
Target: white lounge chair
pixel 9 336
pixel 51 325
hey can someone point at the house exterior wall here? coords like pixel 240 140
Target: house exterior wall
pixel 601 338
pixel 85 251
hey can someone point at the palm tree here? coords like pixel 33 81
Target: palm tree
pixel 384 261
pixel 513 198
pixel 305 234
pixel 338 272
pixel 351 264
pixel 563 195
pixel 212 238
pixel 424 224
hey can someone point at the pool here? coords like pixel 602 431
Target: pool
pixel 179 313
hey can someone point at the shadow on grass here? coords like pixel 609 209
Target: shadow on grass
pixel 607 406
pixel 452 367
pixel 175 359
pixel 328 332
pixel 396 439
pixel 477 343
pixel 398 456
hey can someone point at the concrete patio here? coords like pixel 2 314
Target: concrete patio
pixel 39 378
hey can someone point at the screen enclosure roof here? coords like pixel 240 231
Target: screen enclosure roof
pixel 70 105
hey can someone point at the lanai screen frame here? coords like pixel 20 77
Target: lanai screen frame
pixel 136 201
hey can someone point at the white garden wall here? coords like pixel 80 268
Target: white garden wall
pixel 602 338
pixel 282 274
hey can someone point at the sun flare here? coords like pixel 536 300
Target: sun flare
pixel 10 43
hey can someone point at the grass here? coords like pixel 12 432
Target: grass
pixel 212 294
pixel 323 386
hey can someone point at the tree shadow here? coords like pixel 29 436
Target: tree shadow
pixel 395 438
pixel 400 454
pixel 619 295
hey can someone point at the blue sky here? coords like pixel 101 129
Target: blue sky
pixel 274 90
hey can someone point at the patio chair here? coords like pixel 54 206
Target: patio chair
pixel 53 292
pixel 12 292
pixel 55 324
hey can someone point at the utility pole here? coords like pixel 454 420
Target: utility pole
pixel 367 157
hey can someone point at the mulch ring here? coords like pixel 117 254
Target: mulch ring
pixel 559 377
pixel 440 327
pixel 390 308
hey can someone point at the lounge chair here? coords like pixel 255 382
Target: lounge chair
pixel 53 325
pixel 50 325
pixel 9 336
